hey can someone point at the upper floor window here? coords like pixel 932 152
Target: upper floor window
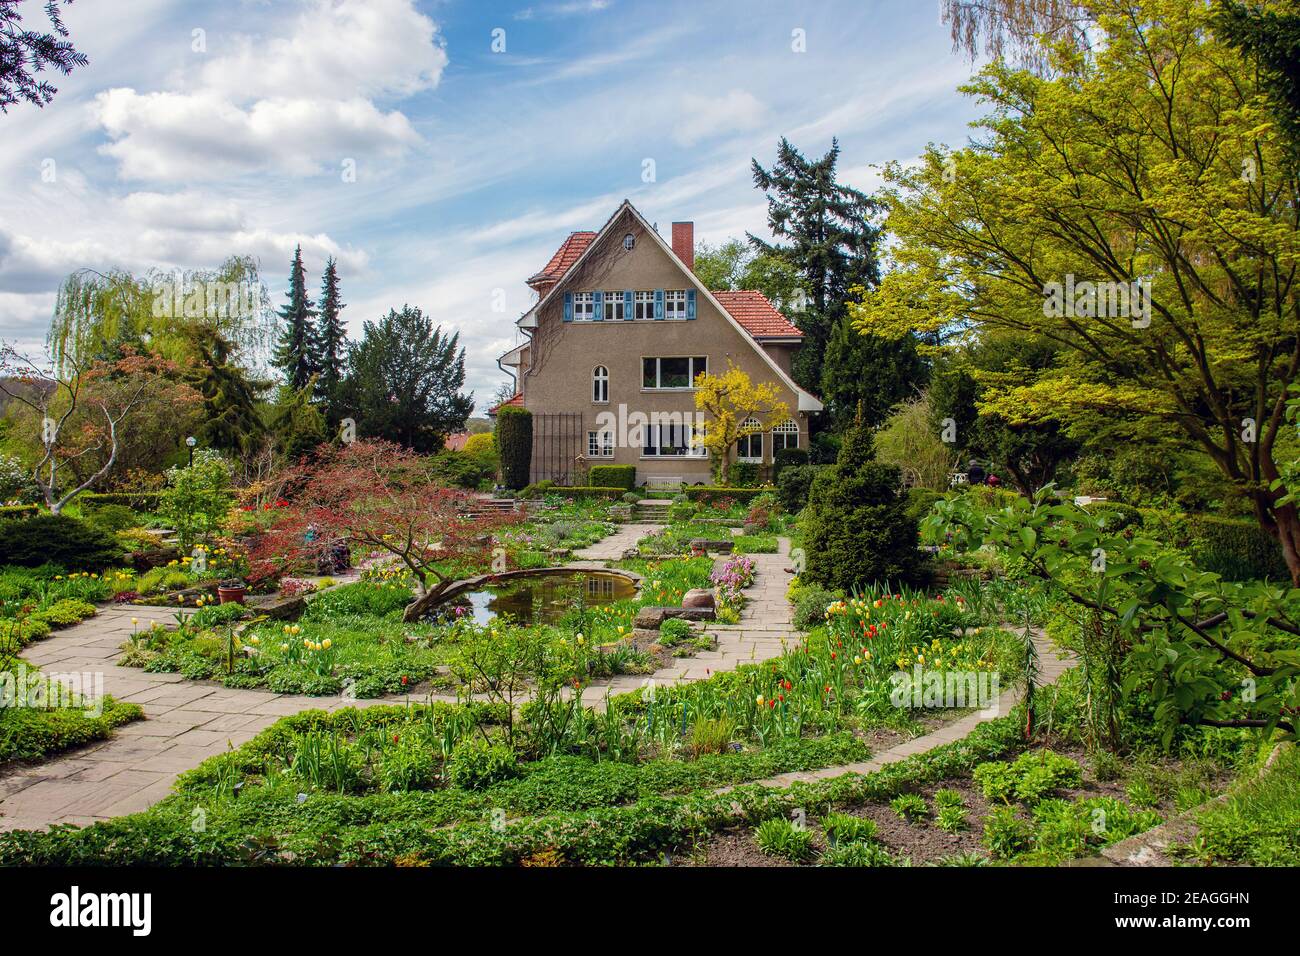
pixel 673 372
pixel 600 384
pixel 629 241
pixel 785 435
pixel 644 305
pixel 613 306
pixel 584 306
pixel 675 304
pixel 750 447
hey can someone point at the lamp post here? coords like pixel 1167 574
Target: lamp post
pixel 191 442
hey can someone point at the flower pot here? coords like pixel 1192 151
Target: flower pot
pixel 231 595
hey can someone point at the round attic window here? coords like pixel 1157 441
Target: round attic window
pixel 629 241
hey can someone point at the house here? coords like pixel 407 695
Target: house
pixel 455 441
pixel 620 329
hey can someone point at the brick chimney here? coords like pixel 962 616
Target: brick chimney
pixel 684 243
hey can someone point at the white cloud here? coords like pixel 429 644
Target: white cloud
pixel 297 104
pixel 703 117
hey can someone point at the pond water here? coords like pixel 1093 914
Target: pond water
pixel 542 598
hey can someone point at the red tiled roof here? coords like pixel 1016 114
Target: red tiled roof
pixel 516 399
pixel 565 256
pixel 456 441
pixel 756 314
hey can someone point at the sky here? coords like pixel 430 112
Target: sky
pixel 441 149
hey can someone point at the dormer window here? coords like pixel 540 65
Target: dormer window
pixel 629 241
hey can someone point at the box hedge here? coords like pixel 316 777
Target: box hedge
pixel 18 511
pixel 613 476
pixel 586 491
pixel 58 539
pixel 710 494
pixel 514 435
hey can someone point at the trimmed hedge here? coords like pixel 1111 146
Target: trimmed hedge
pixel 1236 548
pixel 613 476
pixel 19 511
pixel 135 500
pixel 58 539
pixel 712 493
pixel 586 491
pixel 514 434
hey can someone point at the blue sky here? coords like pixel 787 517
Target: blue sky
pixel 205 128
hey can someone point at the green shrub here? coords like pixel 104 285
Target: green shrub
pixel 674 631
pixel 1238 550
pixel 1005 834
pixel 462 469
pixel 476 764
pixel 1033 776
pixel 997 780
pixel 135 500
pixel 683 510
pixel 1116 515
pixel 31 542
pixel 198 497
pixel 111 518
pixel 613 476
pixel 857 854
pixel 586 491
pixel 843 828
pixel 780 837
pixel 810 604
pixel 793 486
pixel 65 612
pixel 910 807
pixel 920 501
pixel 514 434
pixel 18 511
pixel 711 494
pixel 784 458
pixel 857 532
pixel 743 474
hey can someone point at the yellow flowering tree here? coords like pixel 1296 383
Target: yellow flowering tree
pixel 733 403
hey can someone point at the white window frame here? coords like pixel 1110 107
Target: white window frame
pixel 600 444
pixel 629 242
pixel 745 444
pixel 693 371
pixel 643 306
pixel 652 445
pixel 584 306
pixel 782 434
pixel 600 385
pixel 675 305
pixel 613 307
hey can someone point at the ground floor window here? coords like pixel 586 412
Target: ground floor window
pixel 785 435
pixel 600 445
pixel 750 447
pixel 671 441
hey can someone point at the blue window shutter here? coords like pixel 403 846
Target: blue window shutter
pixel 659 303
pixel 598 307
pixel 690 303
pixel 629 306
pixel 568 307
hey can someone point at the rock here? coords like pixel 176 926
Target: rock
pixel 649 618
pixel 704 544
pixel 699 597
pixel 631 553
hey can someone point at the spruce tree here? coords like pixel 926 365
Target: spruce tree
pixel 295 355
pixel 331 344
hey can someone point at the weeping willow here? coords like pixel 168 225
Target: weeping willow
pixel 97 313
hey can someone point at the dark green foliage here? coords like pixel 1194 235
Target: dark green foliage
pixel 135 500
pixel 868 372
pixel 787 456
pixel 824 230
pixel 857 531
pixel 920 501
pixel 461 470
pixel 1117 515
pixel 793 485
pixel 810 605
pixel 58 539
pixel 295 354
pixel 331 346
pixel 30 733
pixel 230 420
pixel 1271 38
pixel 476 765
pixel 585 491
pixel 19 511
pixel 1238 550
pixel 111 517
pixel 711 494
pixel 298 424
pixel 743 474
pixel 613 476
pixel 514 433
pixel 404 380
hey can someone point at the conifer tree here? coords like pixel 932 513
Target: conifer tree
pixel 332 345
pixel 295 355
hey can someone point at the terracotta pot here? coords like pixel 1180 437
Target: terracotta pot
pixel 231 595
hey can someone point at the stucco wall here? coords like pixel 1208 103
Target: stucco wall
pixel 566 353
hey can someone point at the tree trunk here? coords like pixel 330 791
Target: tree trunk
pixel 425 602
pixel 1287 521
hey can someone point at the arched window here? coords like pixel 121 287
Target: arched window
pixel 600 384
pixel 629 241
pixel 785 435
pixel 750 447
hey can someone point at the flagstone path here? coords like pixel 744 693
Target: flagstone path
pixel 187 721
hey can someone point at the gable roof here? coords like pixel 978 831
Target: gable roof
pixel 757 314
pixel 807 401
pixel 570 251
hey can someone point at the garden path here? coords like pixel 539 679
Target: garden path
pixel 187 722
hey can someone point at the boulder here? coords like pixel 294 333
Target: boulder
pixel 719 547
pixel 649 618
pixel 699 597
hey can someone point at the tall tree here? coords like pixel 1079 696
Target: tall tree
pixel 735 265
pixel 27 52
pixel 1148 179
pixel 1272 39
pixel 824 231
pixel 230 420
pixel 332 345
pixel 296 353
pixel 404 380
